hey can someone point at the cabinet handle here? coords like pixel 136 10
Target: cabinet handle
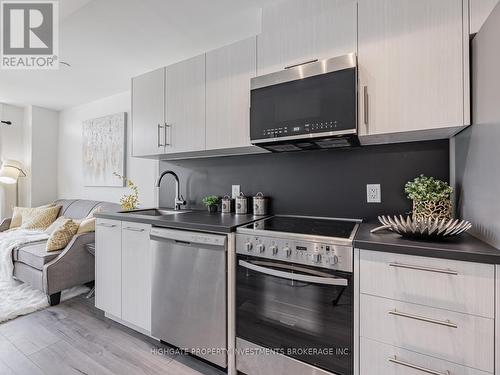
pixel 134 229
pixel 302 63
pixel 169 143
pixel 427 269
pixel 158 135
pixel 365 106
pixel 416 367
pixel 106 225
pixel 446 323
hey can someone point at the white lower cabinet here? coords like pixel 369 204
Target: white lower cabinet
pixel 422 315
pixel 123 272
pixel 108 272
pixel 447 284
pixel 136 275
pixel 382 359
pixel 460 338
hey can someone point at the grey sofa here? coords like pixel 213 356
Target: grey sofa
pixel 55 271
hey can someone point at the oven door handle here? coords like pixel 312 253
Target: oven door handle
pixel 294 276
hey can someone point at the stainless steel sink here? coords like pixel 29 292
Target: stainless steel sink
pixel 157 212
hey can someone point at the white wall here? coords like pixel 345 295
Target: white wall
pixel 32 140
pixel 12 146
pixel 70 176
pixel 42 176
pixel 476 149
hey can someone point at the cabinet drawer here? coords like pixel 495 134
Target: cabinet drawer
pixel 379 358
pixel 459 286
pixel 464 339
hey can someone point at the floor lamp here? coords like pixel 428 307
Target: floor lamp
pixel 9 174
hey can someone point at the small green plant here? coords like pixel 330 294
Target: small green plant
pixel 129 201
pixel 211 200
pixel 424 188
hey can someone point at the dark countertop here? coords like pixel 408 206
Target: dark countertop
pixel 464 247
pixel 190 220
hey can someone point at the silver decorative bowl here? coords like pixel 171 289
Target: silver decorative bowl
pixel 423 228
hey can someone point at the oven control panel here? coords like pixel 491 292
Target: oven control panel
pixel 319 254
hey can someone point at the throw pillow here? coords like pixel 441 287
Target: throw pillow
pixel 62 235
pixel 87 225
pixel 40 218
pixel 56 224
pixel 17 214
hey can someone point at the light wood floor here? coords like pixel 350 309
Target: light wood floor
pixel 76 338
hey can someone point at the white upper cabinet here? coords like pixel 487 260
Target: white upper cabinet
pixel 413 69
pixel 297 31
pixel 479 12
pixel 229 70
pixel 185 106
pixel 148 113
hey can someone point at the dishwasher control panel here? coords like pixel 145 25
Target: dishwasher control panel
pixel 318 254
pixel 187 237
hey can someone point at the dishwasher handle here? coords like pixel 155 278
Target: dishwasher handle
pixel 187 237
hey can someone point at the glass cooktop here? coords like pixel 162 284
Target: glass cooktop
pixel 306 226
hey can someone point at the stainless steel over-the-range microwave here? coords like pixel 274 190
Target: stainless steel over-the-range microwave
pixel 306 106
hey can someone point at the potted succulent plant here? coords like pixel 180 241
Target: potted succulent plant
pixel 431 198
pixel 211 202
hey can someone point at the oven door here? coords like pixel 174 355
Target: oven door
pixel 301 312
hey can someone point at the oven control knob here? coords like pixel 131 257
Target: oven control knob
pixel 261 248
pixel 334 259
pixel 317 258
pixel 274 249
pixel 248 246
pixel 288 251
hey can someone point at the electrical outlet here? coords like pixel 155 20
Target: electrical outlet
pixel 373 193
pixel 235 191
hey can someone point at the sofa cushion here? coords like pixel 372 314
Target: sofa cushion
pixel 81 208
pixel 56 224
pixel 19 212
pixel 62 235
pixel 40 218
pixel 86 225
pixel 35 254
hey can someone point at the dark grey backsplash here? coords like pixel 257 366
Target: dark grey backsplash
pixel 320 183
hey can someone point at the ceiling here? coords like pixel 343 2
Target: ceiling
pixel 107 42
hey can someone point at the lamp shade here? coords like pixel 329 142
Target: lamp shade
pixel 10 171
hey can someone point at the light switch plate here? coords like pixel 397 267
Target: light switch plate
pixel 235 191
pixel 373 194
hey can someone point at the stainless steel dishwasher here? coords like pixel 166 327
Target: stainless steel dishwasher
pixel 188 307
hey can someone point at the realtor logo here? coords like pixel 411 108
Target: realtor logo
pixel 30 34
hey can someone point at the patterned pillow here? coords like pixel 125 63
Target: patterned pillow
pixel 62 235
pixel 40 218
pixel 56 224
pixel 17 214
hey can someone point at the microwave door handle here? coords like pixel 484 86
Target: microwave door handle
pixel 294 276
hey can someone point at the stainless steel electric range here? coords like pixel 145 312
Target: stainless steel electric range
pixel 294 296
